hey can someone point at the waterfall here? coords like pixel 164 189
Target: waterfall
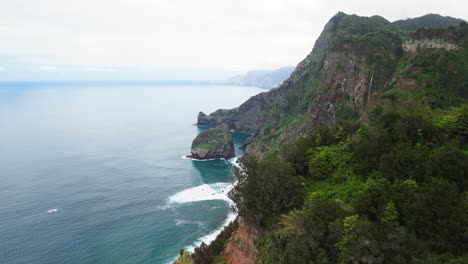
pixel 370 85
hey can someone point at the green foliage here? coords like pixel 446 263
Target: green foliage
pixel 389 190
pixel 450 163
pixel 213 138
pixel 446 258
pixel 324 160
pixel 264 247
pixel 270 187
pixel 389 218
pixel 429 21
pixel 305 235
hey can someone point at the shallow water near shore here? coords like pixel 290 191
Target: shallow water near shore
pixel 93 172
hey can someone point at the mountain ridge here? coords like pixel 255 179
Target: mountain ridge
pixel 266 79
pixel 348 48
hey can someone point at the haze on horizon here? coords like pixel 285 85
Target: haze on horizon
pixel 173 39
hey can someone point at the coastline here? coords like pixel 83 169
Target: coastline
pixel 230 217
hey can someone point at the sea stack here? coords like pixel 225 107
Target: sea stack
pixel 213 143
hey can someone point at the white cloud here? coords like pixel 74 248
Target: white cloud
pixel 204 34
pixel 2 69
pixel 47 68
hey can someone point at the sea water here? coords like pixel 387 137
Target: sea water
pixel 95 172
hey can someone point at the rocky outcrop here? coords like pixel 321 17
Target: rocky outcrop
pixel 214 143
pixel 206 121
pixel 241 248
pixel 248 117
pixel 412 45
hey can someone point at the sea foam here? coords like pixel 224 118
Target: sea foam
pixel 186 157
pixel 204 192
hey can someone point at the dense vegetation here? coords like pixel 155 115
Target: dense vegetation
pixel 389 186
pixel 391 190
pixel 212 139
pixel 430 20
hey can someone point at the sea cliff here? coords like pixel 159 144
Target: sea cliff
pixel 213 143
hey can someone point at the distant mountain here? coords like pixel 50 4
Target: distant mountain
pixel 262 78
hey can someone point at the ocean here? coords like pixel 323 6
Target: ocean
pixel 95 172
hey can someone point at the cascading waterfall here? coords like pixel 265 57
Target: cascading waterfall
pixel 370 85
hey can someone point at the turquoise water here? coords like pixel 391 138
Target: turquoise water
pixel 94 172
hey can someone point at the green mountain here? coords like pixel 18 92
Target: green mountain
pixel 361 156
pixel 334 81
pixel 429 20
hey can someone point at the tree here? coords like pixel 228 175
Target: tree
pixel 266 187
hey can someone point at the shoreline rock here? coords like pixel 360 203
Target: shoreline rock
pixel 213 143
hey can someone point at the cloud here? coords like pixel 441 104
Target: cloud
pixel 94 69
pixel 47 68
pixel 223 35
pixel 2 69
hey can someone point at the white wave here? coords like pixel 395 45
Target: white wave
pixel 179 222
pixel 212 236
pixel 54 210
pixel 165 207
pixel 204 192
pixel 199 223
pixel 235 162
pixel 186 157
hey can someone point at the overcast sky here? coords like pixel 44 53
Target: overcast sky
pixel 174 39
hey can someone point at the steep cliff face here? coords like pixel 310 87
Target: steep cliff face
pixel 333 82
pixel 248 117
pixel 214 143
pixel 412 45
pixel 349 67
pixel 241 248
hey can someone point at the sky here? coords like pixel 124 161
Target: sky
pixel 174 39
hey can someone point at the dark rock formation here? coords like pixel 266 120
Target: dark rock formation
pixel 206 121
pixel 214 143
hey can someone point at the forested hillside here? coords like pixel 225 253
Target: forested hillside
pixel 362 155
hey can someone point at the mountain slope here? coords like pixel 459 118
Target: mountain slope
pixel 429 20
pixel 332 83
pixel 361 156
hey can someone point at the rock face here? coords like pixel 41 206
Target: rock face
pixel 214 143
pixel 412 45
pixel 241 248
pixel 348 69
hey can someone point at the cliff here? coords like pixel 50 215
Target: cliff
pixel 214 143
pixel 241 248
pixel 350 66
pixel 372 126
